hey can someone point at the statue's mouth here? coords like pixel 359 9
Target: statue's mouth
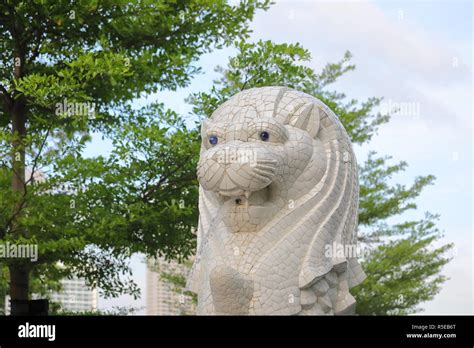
pixel 239 197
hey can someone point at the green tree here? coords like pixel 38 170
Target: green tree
pixel 402 263
pixel 69 69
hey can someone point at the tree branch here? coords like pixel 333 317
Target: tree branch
pixel 6 96
pixel 148 191
pixel 25 191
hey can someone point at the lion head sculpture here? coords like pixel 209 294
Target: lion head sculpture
pixel 278 187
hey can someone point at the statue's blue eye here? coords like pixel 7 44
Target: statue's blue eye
pixel 264 136
pixel 213 140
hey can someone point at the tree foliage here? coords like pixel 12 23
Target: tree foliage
pixel 69 70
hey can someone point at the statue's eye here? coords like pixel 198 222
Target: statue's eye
pixel 213 140
pixel 264 136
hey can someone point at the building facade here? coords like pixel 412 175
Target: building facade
pixel 76 296
pixel 162 297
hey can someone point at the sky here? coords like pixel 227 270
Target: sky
pixel 415 54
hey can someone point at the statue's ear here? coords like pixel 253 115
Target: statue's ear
pixel 307 118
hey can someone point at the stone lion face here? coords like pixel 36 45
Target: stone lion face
pixel 251 164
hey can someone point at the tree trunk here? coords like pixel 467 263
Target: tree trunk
pixel 19 270
pixel 19 282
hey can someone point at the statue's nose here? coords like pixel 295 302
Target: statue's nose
pixel 233 169
pixel 233 152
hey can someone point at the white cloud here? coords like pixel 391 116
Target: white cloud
pixel 366 30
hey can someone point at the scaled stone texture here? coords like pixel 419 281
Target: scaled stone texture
pixel 278 194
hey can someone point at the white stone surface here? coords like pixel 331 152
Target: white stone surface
pixel 278 185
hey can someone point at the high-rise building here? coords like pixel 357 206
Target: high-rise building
pixel 76 296
pixel 7 308
pixel 161 297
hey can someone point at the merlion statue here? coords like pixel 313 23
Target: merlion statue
pixel 278 190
